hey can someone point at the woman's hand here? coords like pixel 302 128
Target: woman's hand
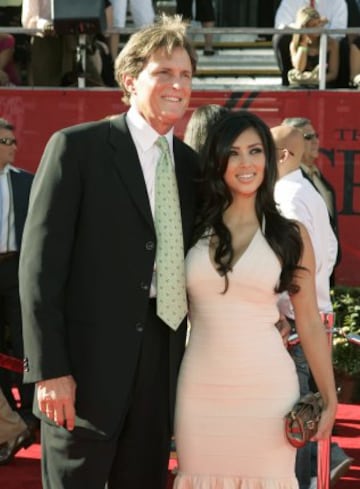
pixel 326 424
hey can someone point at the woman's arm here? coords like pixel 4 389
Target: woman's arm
pixel 299 48
pixel 7 45
pixel 313 336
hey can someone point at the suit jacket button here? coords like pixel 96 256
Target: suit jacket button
pixel 26 364
pixel 149 245
pixel 144 286
pixel 139 327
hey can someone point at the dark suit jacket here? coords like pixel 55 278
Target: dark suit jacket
pixel 86 269
pixel 334 218
pixel 20 186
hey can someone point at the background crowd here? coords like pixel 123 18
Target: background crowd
pixel 51 59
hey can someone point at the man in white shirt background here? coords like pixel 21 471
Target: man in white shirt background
pixel 298 199
pixel 310 170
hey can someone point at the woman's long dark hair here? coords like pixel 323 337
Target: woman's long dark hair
pixel 282 234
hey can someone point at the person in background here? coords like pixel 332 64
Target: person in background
pixel 355 62
pixel 142 13
pixel 200 122
pixel 265 16
pixel 52 55
pixel 354 43
pixel 104 310
pixel 335 11
pixel 9 73
pixel 305 52
pixel 15 185
pixel 10 16
pixel 15 434
pixel 205 14
pixel 237 381
pixel 298 199
pixel 310 170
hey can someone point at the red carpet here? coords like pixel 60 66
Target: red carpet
pixel 24 471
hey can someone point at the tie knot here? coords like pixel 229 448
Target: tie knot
pixel 163 144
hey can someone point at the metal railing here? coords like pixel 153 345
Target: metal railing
pixel 192 31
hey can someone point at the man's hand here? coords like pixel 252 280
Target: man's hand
pixel 56 399
pixel 284 329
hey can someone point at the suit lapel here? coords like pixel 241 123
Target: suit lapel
pixel 17 196
pixel 128 166
pixel 184 185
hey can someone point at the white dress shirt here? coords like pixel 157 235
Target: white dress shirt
pixel 297 199
pixel 145 137
pixel 336 11
pixel 7 229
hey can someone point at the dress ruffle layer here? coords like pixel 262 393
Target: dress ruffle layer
pixel 184 481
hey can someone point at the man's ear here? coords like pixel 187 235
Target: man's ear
pixel 284 154
pixel 129 83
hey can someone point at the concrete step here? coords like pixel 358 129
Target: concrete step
pixel 237 62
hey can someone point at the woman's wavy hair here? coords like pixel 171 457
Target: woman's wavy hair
pixel 282 234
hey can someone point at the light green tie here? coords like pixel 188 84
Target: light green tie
pixel 170 272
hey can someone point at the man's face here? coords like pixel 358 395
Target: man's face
pixel 7 147
pixel 311 144
pixel 162 90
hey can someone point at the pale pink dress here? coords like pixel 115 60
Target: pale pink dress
pixel 237 380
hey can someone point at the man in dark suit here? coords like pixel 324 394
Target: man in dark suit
pixel 104 362
pixel 14 195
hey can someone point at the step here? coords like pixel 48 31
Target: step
pixel 238 62
pixel 234 44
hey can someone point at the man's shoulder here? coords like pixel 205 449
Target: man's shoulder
pixel 92 126
pixel 179 144
pixel 185 152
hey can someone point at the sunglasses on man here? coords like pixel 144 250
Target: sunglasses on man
pixel 8 141
pixel 309 136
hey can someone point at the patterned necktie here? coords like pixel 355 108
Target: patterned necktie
pixel 170 271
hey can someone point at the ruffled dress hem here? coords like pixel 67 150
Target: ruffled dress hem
pixel 184 481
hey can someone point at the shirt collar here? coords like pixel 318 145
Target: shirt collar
pixel 294 176
pixel 310 169
pixel 144 135
pixel 7 168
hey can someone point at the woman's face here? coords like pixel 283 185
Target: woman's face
pixel 246 164
pixel 313 23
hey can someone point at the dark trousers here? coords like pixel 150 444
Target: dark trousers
pixel 204 10
pixel 303 455
pixel 137 455
pixel 11 338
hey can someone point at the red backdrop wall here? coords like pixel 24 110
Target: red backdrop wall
pixel 335 115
